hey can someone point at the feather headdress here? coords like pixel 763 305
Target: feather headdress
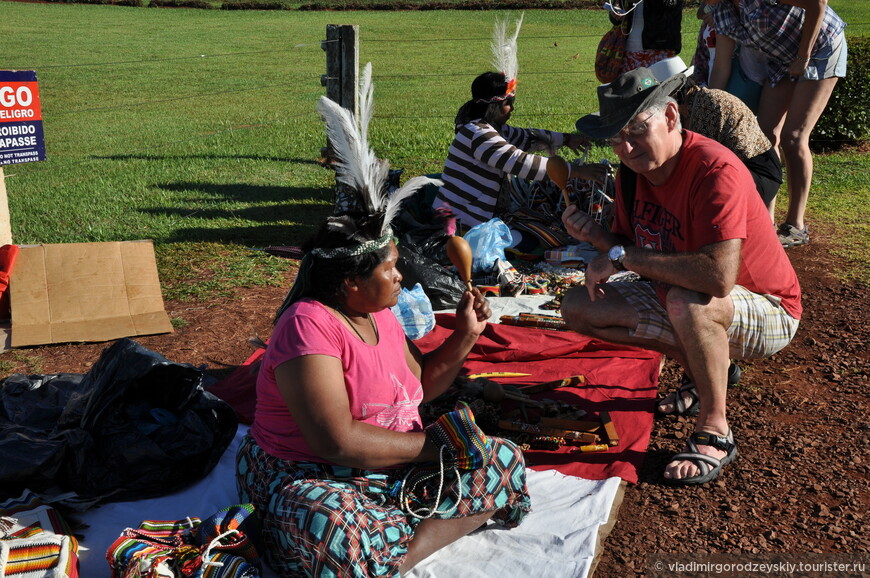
pixel 504 50
pixel 357 166
pixel 364 175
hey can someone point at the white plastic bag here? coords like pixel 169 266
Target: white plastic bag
pixel 488 241
pixel 414 312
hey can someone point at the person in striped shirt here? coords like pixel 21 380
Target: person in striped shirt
pixel 486 150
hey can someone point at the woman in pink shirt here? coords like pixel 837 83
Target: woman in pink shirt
pixel 337 443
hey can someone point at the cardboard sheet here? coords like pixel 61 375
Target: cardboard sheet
pixel 85 292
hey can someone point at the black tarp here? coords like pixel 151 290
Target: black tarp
pixel 135 426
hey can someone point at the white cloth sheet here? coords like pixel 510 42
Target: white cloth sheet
pixel 514 306
pixel 558 539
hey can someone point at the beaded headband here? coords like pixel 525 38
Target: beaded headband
pixel 354 250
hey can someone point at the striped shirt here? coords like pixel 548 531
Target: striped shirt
pixel 774 29
pixel 478 160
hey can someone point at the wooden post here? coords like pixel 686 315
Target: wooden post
pixel 342 68
pixel 5 225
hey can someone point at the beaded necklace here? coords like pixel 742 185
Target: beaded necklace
pixel 355 330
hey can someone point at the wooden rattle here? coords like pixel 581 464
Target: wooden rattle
pixel 559 171
pixel 459 252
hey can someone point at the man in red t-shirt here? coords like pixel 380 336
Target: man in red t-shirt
pixel 716 282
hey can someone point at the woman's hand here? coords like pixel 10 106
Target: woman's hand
pixel 798 68
pixel 441 366
pixel 576 141
pixel 590 172
pixel 472 313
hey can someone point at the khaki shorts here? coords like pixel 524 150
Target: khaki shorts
pixel 760 327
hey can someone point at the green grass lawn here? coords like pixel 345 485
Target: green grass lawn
pixel 197 128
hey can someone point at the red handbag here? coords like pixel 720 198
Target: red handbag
pixel 611 52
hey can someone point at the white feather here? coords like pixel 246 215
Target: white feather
pixel 504 48
pixel 394 201
pixel 357 165
pixel 366 102
pixel 342 223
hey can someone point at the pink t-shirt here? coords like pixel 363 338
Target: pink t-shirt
pixel 381 388
pixel 711 197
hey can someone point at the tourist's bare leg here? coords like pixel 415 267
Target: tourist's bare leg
pixel 787 114
pixel 700 324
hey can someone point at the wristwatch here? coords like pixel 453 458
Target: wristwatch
pixel 616 255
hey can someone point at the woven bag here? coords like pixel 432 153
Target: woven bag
pixel 459 434
pixel 610 54
pixel 35 541
pixel 218 547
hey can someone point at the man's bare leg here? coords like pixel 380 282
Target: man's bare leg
pixel 700 323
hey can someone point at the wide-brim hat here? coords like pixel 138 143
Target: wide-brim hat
pixel 664 69
pixel 622 100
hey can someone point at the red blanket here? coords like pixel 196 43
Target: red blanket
pixel 620 380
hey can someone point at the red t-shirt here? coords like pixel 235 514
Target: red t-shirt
pixel 381 388
pixel 711 197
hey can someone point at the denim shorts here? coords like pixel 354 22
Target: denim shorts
pixel 828 62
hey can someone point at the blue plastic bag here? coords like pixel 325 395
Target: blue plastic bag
pixel 414 312
pixel 488 241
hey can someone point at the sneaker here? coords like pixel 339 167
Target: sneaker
pixel 510 281
pixel 791 236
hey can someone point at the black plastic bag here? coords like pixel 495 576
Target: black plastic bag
pixel 442 286
pixel 136 426
pixel 30 408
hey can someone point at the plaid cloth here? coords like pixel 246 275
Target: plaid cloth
pixel 775 29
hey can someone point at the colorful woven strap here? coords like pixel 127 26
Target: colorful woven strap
pixel 229 530
pixel 217 547
pixel 458 432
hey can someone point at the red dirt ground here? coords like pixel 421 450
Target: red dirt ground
pixel 800 420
